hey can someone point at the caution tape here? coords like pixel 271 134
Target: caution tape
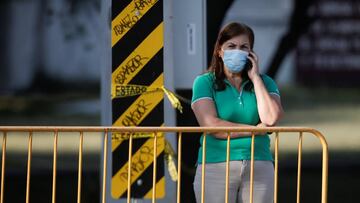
pixel 173 99
pixel 120 91
pixel 170 160
pixel 125 136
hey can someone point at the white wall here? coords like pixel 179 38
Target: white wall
pixel 70 55
pixel 21 43
pixel 189 63
pixel 63 53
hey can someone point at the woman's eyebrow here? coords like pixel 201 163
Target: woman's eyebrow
pixel 231 43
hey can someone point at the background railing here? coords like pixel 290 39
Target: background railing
pixel 153 132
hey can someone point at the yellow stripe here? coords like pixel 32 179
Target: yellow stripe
pixel 116 143
pixel 138 58
pixel 141 160
pixel 142 106
pixel 160 189
pixel 151 99
pixel 128 18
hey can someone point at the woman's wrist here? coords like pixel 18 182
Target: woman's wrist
pixel 255 78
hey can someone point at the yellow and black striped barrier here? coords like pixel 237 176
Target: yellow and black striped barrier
pixel 137 94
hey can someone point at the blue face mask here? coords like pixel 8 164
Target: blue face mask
pixel 235 60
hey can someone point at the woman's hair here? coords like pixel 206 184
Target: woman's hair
pixel 217 66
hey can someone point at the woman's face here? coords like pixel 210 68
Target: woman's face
pixel 241 42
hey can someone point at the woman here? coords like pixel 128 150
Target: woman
pixel 233 93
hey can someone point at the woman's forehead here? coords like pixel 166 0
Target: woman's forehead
pixel 240 39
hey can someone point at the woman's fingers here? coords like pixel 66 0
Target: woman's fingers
pixel 254 55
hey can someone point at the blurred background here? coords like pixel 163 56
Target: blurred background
pixel 55 56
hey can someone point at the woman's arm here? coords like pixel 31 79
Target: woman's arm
pixel 269 106
pixel 206 115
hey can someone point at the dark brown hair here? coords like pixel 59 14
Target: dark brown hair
pixel 217 66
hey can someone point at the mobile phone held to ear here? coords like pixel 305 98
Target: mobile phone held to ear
pixel 248 64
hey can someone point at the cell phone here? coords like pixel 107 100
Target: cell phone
pixel 248 64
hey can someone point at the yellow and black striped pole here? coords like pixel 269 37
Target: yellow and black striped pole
pixel 137 67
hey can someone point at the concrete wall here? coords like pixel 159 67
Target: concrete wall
pixel 189 41
pixel 48 36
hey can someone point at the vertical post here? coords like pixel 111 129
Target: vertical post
pixel 299 169
pixel 3 167
pixel 80 166
pixel 28 167
pixel 276 166
pixel 141 42
pixel 203 169
pixel 179 167
pixel 129 169
pixel 103 199
pixel 154 170
pixel 325 162
pixel 54 166
pixel 252 168
pixel 227 168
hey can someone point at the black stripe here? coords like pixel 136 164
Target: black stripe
pixel 151 71
pixel 155 117
pixel 139 191
pixel 119 106
pixel 120 155
pixel 146 76
pixel 136 34
pixel 117 6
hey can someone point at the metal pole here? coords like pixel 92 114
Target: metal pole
pixel 28 168
pixel 227 168
pixel 104 167
pixel 154 169
pixel 54 166
pixel 276 167
pixel 3 167
pixel 179 167
pixel 203 169
pixel 299 169
pixel 129 169
pixel 252 168
pixel 80 166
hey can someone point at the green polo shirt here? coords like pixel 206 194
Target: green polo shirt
pixel 234 106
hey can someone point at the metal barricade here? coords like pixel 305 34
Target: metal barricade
pixel 130 131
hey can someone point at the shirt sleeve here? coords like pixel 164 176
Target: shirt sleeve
pixel 202 88
pixel 270 85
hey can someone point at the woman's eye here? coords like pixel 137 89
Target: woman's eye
pixel 245 48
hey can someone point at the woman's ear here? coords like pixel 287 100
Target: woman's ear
pixel 221 53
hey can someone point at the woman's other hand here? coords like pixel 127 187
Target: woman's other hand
pixel 262 125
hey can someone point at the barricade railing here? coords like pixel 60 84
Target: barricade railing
pixel 153 131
